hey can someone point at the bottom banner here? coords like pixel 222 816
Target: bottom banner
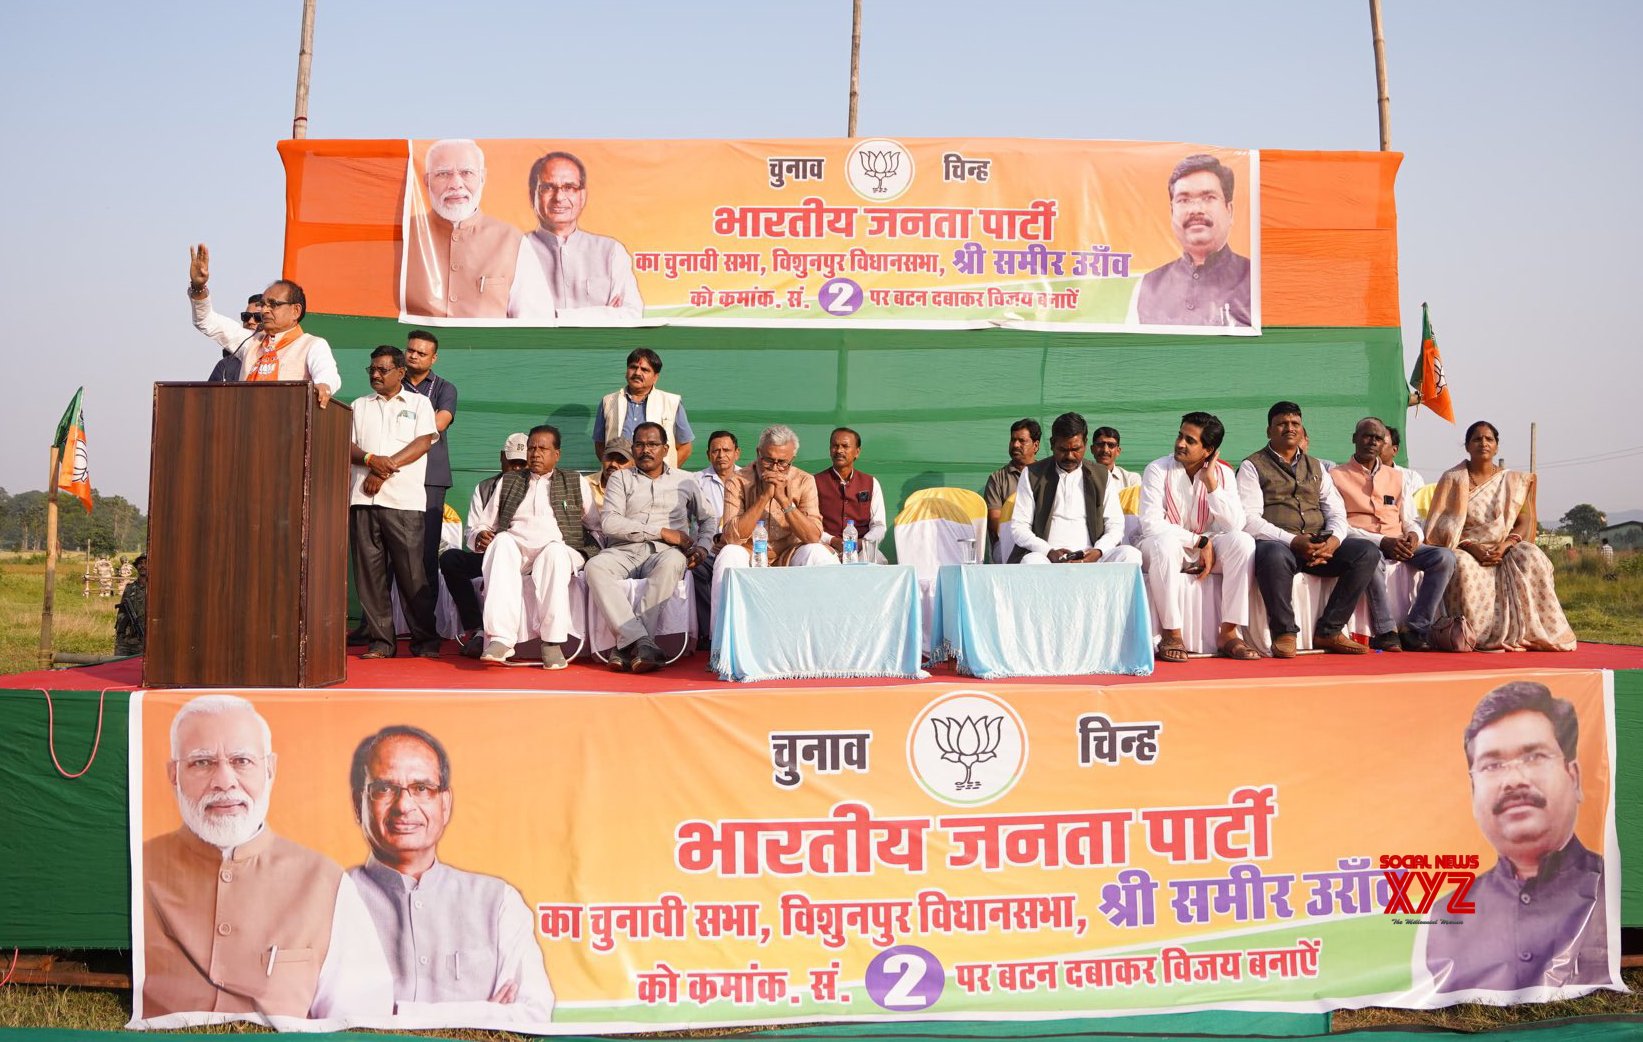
pixel 575 863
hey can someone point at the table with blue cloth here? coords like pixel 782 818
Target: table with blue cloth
pixel 1018 620
pixel 858 620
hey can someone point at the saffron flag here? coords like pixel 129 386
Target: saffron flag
pixel 73 475
pixel 1427 378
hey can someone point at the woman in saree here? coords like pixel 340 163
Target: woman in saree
pixel 1503 582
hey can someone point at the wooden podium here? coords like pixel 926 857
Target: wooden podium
pixel 247 537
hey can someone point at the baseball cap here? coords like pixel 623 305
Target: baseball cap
pixel 621 447
pixel 514 447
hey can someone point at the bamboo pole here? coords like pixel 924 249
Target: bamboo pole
pixel 305 64
pixel 51 560
pixel 855 66
pixel 1384 99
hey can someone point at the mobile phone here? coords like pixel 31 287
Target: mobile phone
pixel 1320 539
pixel 1074 555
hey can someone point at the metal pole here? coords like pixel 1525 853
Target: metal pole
pixel 51 560
pixel 855 65
pixel 1380 75
pixel 305 63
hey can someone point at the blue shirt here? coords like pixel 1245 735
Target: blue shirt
pixel 442 393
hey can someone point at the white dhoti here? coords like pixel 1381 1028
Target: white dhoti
pixel 1234 563
pixel 507 560
pixel 1117 555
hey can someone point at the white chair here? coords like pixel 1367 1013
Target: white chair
pixel 1200 615
pixel 676 627
pixel 1310 593
pixel 1402 583
pixel 527 646
pixel 939 526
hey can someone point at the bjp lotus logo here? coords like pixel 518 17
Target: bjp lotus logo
pixel 967 748
pixel 879 169
pixel 968 742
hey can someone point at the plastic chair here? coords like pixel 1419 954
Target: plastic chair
pixel 677 627
pixel 939 526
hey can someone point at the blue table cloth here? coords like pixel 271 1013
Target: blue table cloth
pixel 1016 620
pixel 843 621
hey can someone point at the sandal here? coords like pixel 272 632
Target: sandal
pixel 1237 649
pixel 1170 649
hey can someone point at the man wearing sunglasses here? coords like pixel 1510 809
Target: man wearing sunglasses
pixel 278 349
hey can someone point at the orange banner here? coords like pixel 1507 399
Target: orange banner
pixel 595 863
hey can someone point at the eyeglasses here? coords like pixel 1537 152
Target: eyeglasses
pixel 377 370
pixel 248 316
pixel 204 766
pixel 775 464
pixel 388 792
pixel 549 188
pixel 1531 762
pixel 268 304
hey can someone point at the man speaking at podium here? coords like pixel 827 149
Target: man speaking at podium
pixel 280 350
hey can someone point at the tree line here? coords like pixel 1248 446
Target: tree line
pixel 113 526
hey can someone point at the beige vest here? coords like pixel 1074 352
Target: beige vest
pixel 292 358
pixel 1374 503
pixel 615 407
pixel 461 272
pixel 209 925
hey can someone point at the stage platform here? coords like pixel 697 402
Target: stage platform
pixel 455 673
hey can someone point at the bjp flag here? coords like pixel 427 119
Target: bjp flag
pixel 73 475
pixel 1428 379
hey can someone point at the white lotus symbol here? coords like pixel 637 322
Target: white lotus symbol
pixel 880 165
pixel 968 742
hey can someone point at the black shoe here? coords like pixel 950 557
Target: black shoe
pixel 1414 640
pixel 474 646
pixel 621 660
pixel 1389 641
pixel 648 658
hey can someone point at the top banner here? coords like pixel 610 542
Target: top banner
pixel 915 233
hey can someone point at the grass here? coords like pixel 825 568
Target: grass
pixel 83 625
pixel 1598 609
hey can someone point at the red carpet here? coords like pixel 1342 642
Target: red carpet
pixel 459 674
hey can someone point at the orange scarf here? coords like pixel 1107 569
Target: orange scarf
pixel 268 363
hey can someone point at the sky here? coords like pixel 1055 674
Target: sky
pixel 150 127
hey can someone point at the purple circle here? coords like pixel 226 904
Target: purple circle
pixel 841 296
pixel 905 979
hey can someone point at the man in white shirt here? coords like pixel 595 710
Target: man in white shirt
pixel 1066 510
pixel 1105 449
pixel 279 349
pixel 566 275
pixel 1299 523
pixel 1412 480
pixel 393 429
pixel 462 565
pixel 539 522
pixel 847 494
pixel 1192 525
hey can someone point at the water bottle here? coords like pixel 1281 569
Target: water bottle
pixel 761 545
pixel 848 546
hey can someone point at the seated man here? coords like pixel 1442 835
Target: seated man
pixel 1295 514
pixel 649 515
pixel 1380 509
pixel 618 455
pixel 1412 480
pixel 461 567
pixel 783 496
pixel 1066 508
pixel 723 453
pixel 1001 483
pixel 1105 448
pixel 845 494
pixel 1192 525
pixel 539 521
